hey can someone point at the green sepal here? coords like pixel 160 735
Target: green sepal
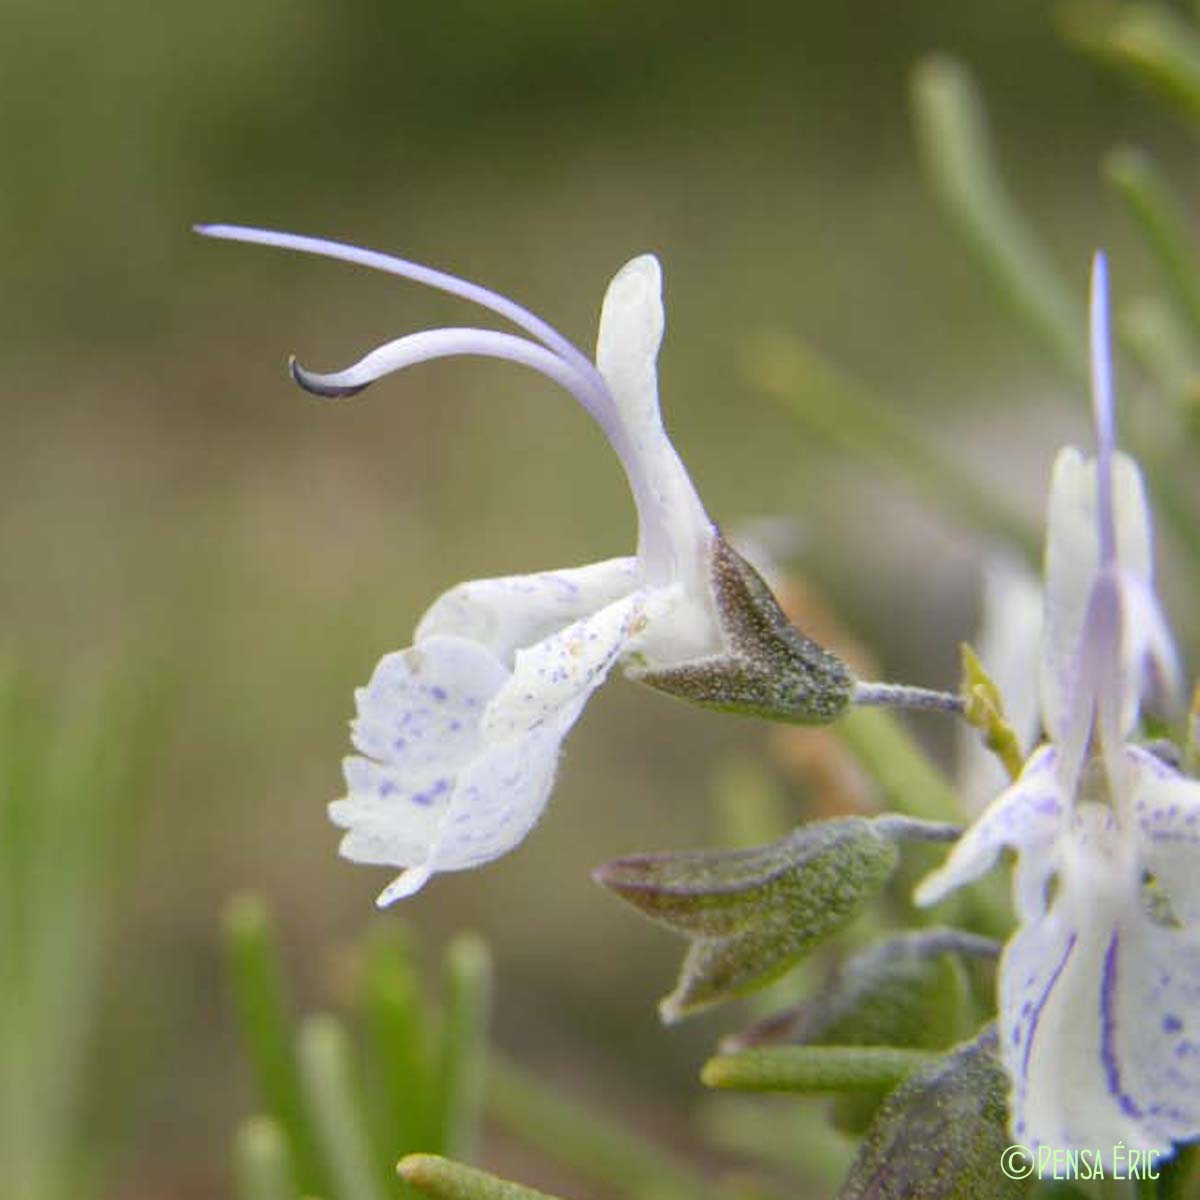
pixel 770 669
pixel 750 914
pixel 908 991
pixel 940 1135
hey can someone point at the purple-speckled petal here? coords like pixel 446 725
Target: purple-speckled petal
pixel 1026 817
pixel 1150 1019
pixel 509 612
pixel 499 798
pixel 419 714
pixel 1166 807
pixel 553 679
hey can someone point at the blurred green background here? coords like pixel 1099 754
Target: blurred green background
pixel 174 512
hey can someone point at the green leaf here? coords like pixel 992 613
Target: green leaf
pixel 941 1134
pixel 815 1068
pixel 441 1179
pixel 771 669
pixel 959 161
pixel 752 913
pixel 336 1110
pixel 262 1165
pixel 467 1013
pixel 262 1010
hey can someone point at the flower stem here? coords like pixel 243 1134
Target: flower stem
pixel 901 695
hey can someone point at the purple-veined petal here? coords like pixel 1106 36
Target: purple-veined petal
pixel 512 611
pixel 1026 817
pixel 1079 988
pixel 1150 1010
pixel 1073 564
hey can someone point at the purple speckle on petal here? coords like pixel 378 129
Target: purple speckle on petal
pixel 1171 1023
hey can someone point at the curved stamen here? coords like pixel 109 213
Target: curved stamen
pixel 441 280
pixel 444 343
pixel 1103 408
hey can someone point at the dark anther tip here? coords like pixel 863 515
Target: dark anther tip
pixel 312 382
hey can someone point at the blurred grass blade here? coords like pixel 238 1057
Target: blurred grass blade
pixel 793 1138
pixel 400 1032
pixel 1160 217
pixel 1157 43
pixel 259 997
pixel 1153 333
pixel 955 149
pixel 844 413
pixel 466 1005
pixel 815 1068
pixel 442 1179
pixel 599 1149
pixel 750 807
pixel 74 773
pixel 262 1165
pixel 910 781
pixel 336 1110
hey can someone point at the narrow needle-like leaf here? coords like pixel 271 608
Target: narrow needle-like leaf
pixel 466 1015
pixel 262 1011
pixel 1159 215
pixel 956 151
pixel 262 1166
pixel 815 1068
pixel 441 1179
pixel 336 1110
pixel 845 413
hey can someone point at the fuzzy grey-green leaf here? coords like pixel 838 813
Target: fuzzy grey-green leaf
pixel 750 914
